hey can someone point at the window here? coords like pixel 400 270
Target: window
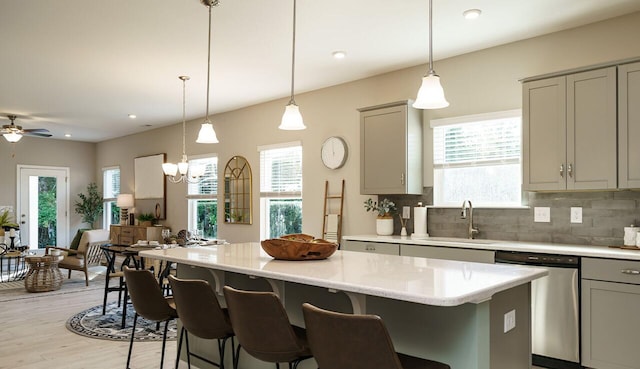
pixel 478 158
pixel 280 189
pixel 202 198
pixel 110 191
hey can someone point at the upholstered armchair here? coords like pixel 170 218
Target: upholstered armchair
pixel 87 255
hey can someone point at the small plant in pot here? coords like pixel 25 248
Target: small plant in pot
pixel 6 222
pixel 385 209
pixel 146 219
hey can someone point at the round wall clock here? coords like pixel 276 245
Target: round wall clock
pixel 334 152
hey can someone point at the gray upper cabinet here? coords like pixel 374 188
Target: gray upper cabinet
pixel 569 132
pixel 629 126
pixel 391 149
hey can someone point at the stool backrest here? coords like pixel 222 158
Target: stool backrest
pixel 146 296
pixel 262 326
pixel 348 341
pixel 199 309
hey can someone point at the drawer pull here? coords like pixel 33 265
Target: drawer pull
pixel 630 271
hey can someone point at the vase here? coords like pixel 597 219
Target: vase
pixel 384 226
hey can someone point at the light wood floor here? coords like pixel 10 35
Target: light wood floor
pixel 33 335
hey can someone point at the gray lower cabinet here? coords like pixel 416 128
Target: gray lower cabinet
pixel 373 247
pixel 448 253
pixel 610 308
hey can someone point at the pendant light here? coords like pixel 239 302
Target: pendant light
pixel 292 119
pixel 431 94
pixel 183 171
pixel 207 134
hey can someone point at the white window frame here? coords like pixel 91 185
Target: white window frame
pixel 108 201
pixel 191 205
pixel 467 119
pixel 266 196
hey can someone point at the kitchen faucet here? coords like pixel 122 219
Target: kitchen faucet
pixel 472 231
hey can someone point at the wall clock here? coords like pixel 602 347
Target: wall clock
pixel 334 152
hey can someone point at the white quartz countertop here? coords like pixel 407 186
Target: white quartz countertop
pixel 497 245
pixel 413 279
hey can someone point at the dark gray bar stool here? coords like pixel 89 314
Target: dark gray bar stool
pixel 202 316
pixel 349 341
pixel 263 328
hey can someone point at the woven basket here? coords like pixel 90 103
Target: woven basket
pixel 298 247
pixel 43 274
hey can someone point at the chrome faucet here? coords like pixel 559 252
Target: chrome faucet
pixel 472 231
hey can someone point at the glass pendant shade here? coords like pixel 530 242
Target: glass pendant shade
pixel 170 169
pixel 431 94
pixel 183 167
pixel 12 137
pixel 196 171
pixel 292 119
pixel 207 134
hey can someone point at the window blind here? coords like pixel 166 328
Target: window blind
pixel 110 183
pixel 281 172
pixel 208 187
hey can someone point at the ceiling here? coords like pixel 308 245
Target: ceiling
pixel 81 66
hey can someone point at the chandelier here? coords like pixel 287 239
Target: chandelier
pixel 183 172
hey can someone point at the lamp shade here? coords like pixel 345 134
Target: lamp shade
pixel 292 119
pixel 12 137
pixel 207 134
pixel 431 94
pixel 125 201
pixel 169 169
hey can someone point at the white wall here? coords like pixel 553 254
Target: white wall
pixel 482 81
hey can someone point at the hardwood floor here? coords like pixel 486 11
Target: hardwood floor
pixel 33 335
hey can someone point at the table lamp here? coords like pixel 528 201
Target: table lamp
pixel 124 202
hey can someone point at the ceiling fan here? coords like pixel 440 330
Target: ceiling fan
pixel 14 133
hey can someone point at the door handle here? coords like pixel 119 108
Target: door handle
pixel 561 170
pixel 570 170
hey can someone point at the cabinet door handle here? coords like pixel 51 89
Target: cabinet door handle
pixel 561 170
pixel 570 170
pixel 402 179
pixel 630 271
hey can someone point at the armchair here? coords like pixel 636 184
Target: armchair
pixel 87 255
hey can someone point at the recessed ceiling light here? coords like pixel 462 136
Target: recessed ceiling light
pixel 67 135
pixel 339 54
pixel 133 116
pixel 472 13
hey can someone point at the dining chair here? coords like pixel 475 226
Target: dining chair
pixel 148 302
pixel 354 341
pixel 263 329
pixel 201 315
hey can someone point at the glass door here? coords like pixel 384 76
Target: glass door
pixel 43 206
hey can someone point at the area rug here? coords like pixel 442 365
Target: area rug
pixel 91 323
pixel 15 290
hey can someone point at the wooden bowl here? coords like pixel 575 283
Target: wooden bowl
pixel 294 247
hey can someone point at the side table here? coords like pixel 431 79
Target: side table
pixel 43 274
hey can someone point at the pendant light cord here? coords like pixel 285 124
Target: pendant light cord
pixel 184 104
pixel 293 54
pixel 206 120
pixel 431 37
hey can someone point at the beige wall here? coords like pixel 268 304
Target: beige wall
pixel 79 157
pixel 478 82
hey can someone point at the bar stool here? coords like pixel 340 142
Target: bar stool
pixel 149 303
pixel 202 316
pixel 263 328
pixel 348 341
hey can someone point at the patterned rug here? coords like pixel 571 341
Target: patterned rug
pixel 91 323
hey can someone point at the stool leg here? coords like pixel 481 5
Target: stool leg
pixel 133 332
pixel 186 338
pixel 164 341
pixel 179 348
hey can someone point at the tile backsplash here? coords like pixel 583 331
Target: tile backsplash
pixel 604 216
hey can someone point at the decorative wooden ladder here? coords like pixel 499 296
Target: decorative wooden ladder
pixel 332 222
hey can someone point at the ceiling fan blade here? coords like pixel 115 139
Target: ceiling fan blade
pixel 36 134
pixel 35 130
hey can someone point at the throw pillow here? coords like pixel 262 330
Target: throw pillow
pixel 76 240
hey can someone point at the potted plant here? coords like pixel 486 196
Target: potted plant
pixel 146 219
pixel 385 209
pixel 90 205
pixel 6 222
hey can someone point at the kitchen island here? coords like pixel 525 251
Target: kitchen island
pixel 454 312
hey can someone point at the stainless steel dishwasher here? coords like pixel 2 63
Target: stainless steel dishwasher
pixel 555 308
